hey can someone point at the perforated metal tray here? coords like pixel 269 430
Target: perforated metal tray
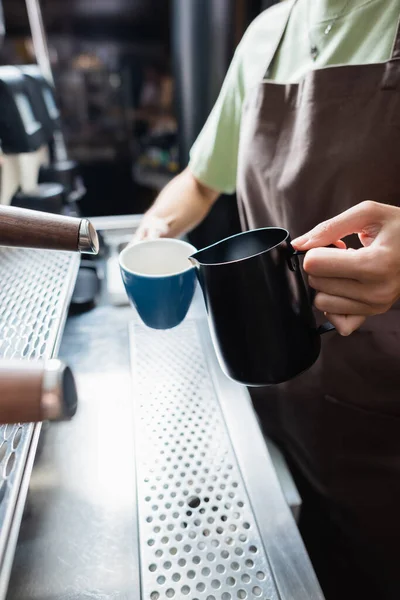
pixel 35 290
pixel 199 538
pixel 213 522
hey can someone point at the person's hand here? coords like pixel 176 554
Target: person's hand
pixel 353 284
pixel 151 228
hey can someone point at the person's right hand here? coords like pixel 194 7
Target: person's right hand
pixel 151 228
pixel 354 284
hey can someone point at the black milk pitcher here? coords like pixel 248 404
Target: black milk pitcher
pixel 259 307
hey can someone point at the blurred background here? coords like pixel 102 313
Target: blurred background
pixel 135 81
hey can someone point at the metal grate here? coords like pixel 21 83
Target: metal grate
pixel 198 537
pixel 34 294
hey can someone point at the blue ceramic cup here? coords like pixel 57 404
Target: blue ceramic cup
pixel 159 280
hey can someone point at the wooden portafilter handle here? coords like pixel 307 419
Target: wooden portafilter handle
pixel 33 391
pixel 34 229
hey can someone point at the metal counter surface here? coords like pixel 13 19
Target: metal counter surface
pixel 87 531
pixel 79 535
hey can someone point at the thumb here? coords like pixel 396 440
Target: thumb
pixel 355 220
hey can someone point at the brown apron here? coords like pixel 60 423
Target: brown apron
pixel 309 151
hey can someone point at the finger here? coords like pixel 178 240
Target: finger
pixel 142 234
pixel 354 220
pixel 332 262
pixel 161 229
pixel 343 306
pixel 345 325
pixel 138 237
pixel 153 234
pixel 340 244
pixel 346 288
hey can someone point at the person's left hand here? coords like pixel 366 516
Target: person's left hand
pixel 353 284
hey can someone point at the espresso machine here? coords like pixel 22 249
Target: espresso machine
pixel 30 120
pixel 61 175
pixel 25 131
pixel 44 388
pixel 30 123
pixel 39 265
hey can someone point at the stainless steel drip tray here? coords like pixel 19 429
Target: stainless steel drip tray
pixel 213 520
pixel 199 536
pixel 162 486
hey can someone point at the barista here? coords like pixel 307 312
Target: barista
pixel 306 128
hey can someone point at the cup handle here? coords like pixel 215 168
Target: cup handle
pixel 326 327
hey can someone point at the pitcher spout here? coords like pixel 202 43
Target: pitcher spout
pixel 195 262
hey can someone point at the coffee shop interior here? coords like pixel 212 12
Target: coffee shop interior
pixel 131 466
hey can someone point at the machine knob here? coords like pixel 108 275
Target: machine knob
pixel 32 391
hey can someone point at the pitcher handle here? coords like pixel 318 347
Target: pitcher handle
pixel 327 326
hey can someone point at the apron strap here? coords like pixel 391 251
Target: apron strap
pixel 391 77
pixel 277 43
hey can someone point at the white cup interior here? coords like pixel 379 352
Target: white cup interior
pixel 157 257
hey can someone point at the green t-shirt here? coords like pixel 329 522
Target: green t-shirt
pixel 364 34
